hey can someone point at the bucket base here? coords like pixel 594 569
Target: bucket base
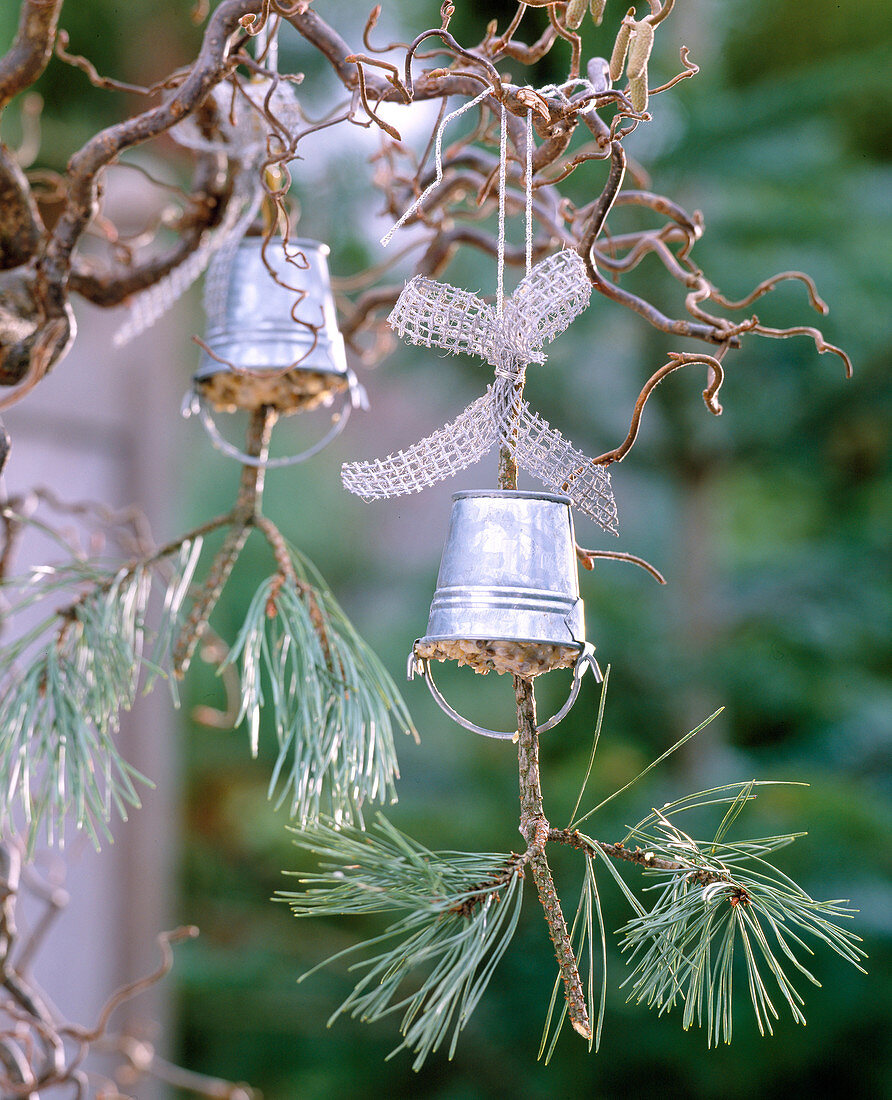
pixel 289 392
pixel 525 659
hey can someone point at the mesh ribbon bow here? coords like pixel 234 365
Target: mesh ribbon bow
pixel 435 314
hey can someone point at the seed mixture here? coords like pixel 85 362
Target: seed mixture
pixel 294 391
pixel 526 659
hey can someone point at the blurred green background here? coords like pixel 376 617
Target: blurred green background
pixel 771 524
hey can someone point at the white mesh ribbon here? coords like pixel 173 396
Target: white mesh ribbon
pixel 463 441
pixel 556 463
pixel 436 315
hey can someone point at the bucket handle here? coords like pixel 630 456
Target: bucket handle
pixel 354 398
pixel 586 659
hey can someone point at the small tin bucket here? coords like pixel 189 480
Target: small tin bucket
pixel 272 340
pixel 507 595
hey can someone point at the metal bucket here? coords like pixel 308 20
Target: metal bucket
pixel 507 593
pixel 272 339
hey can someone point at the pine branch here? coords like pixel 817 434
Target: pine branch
pixel 454 915
pixel 333 705
pixel 715 897
pixel 582 941
pixel 66 682
pixel 534 829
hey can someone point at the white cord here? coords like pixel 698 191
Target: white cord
pixel 268 40
pixel 503 165
pixel 529 189
pixel 438 154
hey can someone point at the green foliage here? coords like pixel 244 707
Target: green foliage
pixel 333 703
pixel 728 896
pixel 717 899
pixel 460 913
pixel 59 716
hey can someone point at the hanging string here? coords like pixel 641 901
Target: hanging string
pixel 503 165
pixel 529 190
pixel 438 157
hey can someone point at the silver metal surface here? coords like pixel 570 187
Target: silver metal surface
pixel 508 571
pixel 257 323
pixel 276 326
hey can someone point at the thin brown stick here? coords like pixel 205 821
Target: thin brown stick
pixel 586 559
pixel 676 360
pixel 602 207
pixel 660 13
pixel 131 990
pixel 529 55
pixel 210 67
pixel 244 516
pixel 370 25
pixel 143 1061
pixel 495 45
pixel 806 330
pixel 690 69
pixel 568 36
pixel 87 67
pixel 692 223
pixel 817 302
pixel 575 839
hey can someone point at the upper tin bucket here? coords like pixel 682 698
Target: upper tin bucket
pixel 271 311
pixel 272 340
pixel 508 571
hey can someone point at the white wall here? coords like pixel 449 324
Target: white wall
pixel 100 428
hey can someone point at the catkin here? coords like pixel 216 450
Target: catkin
pixel 638 92
pixel 597 9
pixel 618 57
pixel 641 44
pixel 575 13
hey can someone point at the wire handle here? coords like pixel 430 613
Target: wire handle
pixel 585 660
pixel 354 398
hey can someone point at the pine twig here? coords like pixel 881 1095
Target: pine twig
pixel 245 515
pixel 535 830
pixel 575 839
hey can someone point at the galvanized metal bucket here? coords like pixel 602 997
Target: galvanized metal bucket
pixel 272 339
pixel 508 575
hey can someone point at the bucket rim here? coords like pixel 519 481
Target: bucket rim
pixel 495 637
pixel 300 242
pixel 516 494
pixel 212 368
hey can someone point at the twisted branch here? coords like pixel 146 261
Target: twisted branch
pixel 31 48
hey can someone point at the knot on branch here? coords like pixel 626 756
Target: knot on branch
pixel 36 330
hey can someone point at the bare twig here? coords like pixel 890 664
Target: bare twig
pixel 534 829
pixel 31 48
pixel 586 560
pixel 244 516
pixel 676 360
pixel 133 989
